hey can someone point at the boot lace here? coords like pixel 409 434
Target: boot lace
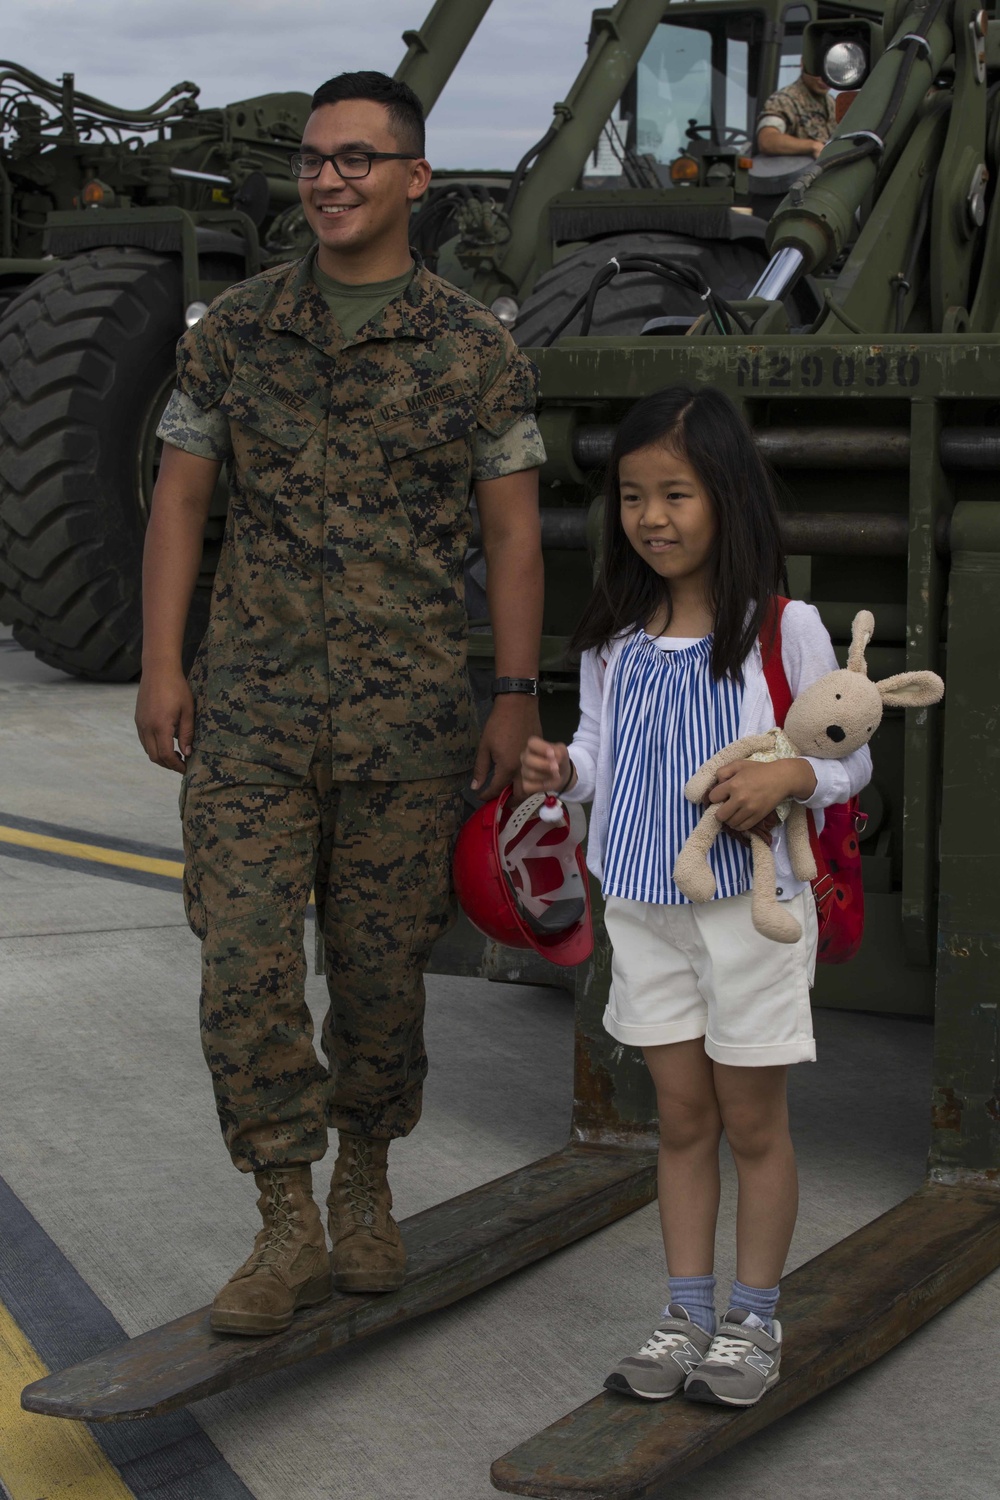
pixel 281 1221
pixel 361 1186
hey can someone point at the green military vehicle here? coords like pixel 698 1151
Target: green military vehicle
pixel 851 306
pixel 115 226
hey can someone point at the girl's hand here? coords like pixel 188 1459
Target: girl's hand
pixel 746 792
pixel 545 767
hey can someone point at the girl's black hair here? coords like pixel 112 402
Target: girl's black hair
pixel 705 429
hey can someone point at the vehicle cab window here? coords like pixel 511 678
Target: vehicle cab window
pixel 697 73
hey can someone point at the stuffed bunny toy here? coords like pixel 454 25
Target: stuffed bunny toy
pixel 835 715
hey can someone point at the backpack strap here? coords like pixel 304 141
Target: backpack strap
pixel 770 652
pixel 781 702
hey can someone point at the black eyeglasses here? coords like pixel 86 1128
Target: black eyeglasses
pixel 346 164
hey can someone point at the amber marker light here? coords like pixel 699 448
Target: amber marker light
pixel 684 169
pixel 744 162
pixel 93 194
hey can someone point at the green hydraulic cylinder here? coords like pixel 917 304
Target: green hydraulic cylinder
pixel 619 37
pixel 818 216
pixel 433 53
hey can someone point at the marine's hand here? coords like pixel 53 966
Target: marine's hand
pixel 545 767
pixel 747 791
pixel 507 730
pixel 164 713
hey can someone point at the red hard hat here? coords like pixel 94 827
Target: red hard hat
pixel 523 882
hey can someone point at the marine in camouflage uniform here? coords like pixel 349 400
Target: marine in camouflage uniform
pixel 797 111
pixel 334 720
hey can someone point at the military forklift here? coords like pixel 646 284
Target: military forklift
pixel 851 306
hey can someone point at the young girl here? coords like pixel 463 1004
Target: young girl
pixel 671 671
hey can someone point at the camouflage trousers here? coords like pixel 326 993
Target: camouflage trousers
pixel 378 855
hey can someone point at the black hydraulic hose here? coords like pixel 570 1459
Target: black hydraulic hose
pixel 431 221
pixel 183 93
pixel 567 320
pixel 730 311
pixel 686 277
pixel 525 163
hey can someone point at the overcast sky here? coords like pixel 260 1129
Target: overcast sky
pixel 499 101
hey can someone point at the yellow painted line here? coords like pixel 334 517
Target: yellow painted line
pixel 44 1458
pixel 95 853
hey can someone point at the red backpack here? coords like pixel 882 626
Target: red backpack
pixel 837 889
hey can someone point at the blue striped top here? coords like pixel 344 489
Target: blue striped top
pixel 669 715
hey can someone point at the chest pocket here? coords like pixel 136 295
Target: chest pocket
pixel 268 437
pixel 429 455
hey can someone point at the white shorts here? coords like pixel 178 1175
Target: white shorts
pixel 702 970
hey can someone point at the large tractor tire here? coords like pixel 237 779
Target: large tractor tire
pixel 731 267
pixel 86 365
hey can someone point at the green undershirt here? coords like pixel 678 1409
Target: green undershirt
pixel 354 306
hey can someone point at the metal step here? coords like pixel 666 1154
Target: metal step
pixel 841 1311
pixel 453 1250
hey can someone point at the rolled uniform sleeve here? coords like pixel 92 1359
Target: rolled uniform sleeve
pixel 192 420
pixel 520 447
pixel 506 438
pixel 204 433
pixel 796 112
pixel 778 113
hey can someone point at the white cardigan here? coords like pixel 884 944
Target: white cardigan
pixel 806 653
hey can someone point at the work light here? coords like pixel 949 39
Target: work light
pixel 845 65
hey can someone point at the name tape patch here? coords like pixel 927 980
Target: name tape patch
pixel 437 395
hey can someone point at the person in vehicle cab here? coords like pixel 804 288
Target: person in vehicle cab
pixel 797 120
pixel 328 728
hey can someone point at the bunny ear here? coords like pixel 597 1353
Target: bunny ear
pixel 911 690
pixel 861 633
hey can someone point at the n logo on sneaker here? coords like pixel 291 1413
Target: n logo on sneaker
pixel 687 1356
pixel 759 1361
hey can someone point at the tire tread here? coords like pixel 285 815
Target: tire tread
pixel 73 598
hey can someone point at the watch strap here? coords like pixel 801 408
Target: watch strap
pixel 514 685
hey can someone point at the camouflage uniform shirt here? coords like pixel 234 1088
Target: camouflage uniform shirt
pixel 797 112
pixel 339 597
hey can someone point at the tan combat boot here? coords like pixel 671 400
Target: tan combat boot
pixel 289 1267
pixel 368 1253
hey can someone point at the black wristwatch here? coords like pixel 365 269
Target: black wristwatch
pixel 514 685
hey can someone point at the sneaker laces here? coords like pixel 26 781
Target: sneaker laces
pixel 662 1341
pixel 728 1351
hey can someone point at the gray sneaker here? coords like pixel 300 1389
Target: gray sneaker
pixel 674 1348
pixel 741 1364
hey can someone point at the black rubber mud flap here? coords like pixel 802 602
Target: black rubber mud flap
pixel 86 359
